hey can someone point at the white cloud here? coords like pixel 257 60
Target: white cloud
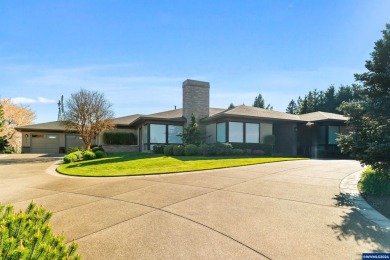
pixel 24 100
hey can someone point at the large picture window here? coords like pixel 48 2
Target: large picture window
pixel 252 133
pixel 236 132
pixel 173 132
pixel 221 132
pixel 157 134
pixel 333 132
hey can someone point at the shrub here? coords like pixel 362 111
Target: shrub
pixel 28 235
pixel 178 150
pixel 237 151
pixel 119 138
pixel 89 155
pixel 373 183
pixel 97 148
pixel 245 146
pixel 70 158
pixel 206 149
pixel 74 149
pixel 168 150
pixel 158 149
pixel 258 152
pixel 223 148
pixel 190 150
pixel 100 154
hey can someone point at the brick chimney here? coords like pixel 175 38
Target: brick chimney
pixel 196 99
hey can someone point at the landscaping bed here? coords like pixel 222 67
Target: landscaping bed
pixel 123 164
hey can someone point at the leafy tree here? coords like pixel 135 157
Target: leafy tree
pixel 259 102
pixel 191 133
pixel 3 140
pixel 231 106
pixel 88 113
pixel 13 116
pixel 369 118
pixel 292 107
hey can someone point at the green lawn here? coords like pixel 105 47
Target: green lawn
pixel 122 164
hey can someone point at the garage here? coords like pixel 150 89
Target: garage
pixel 45 143
pixel 73 141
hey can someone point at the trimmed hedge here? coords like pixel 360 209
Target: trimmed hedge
pixel 100 154
pixel 158 149
pixel 119 138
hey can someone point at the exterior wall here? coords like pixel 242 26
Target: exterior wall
pixel 196 99
pixel 211 133
pixel 265 129
pixel 286 138
pixel 121 148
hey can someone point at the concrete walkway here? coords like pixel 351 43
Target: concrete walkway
pixel 287 210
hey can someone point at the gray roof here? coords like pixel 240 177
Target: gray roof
pixel 320 116
pixel 49 126
pixel 214 113
pixel 254 112
pixel 125 120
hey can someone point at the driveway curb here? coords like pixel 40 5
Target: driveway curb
pixel 349 186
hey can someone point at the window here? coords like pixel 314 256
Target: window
pixel 157 134
pixel 252 133
pixel 145 133
pixel 52 136
pixel 322 135
pixel 236 132
pixel 221 132
pixel 173 132
pixel 37 136
pixel 333 132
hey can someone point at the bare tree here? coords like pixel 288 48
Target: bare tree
pixel 88 113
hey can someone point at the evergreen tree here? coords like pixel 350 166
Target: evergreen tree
pixel 231 106
pixel 369 118
pixel 292 107
pixel 259 101
pixel 191 133
pixel 329 104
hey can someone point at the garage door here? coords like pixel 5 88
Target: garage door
pixel 45 143
pixel 73 141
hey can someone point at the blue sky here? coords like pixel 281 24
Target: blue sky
pixel 139 52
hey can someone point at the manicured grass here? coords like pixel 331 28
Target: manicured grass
pixel 122 164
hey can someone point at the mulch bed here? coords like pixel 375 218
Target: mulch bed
pixel 380 203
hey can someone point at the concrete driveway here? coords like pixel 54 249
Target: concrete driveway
pixel 286 210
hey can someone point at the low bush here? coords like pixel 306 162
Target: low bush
pixel 28 235
pixel 178 150
pixel 168 150
pixel 97 148
pixel 190 150
pixel 223 148
pixel 246 146
pixel 206 149
pixel 238 152
pixel 74 149
pixel 70 158
pixel 89 155
pixel 119 138
pixel 373 183
pixel 100 154
pixel 158 149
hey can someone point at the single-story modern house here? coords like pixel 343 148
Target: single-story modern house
pixel 312 135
